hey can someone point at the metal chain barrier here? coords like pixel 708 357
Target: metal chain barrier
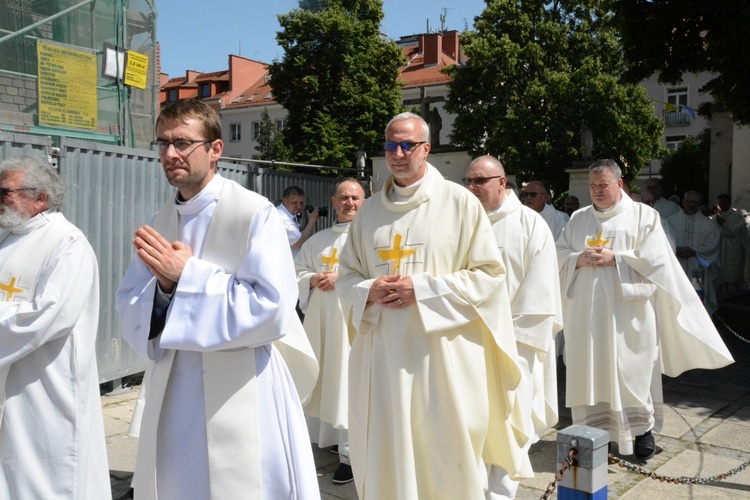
pixel 567 464
pixel 730 329
pixel 676 480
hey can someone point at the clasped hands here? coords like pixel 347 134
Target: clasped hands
pixel 165 260
pixel 597 256
pixel 392 292
pixel 325 281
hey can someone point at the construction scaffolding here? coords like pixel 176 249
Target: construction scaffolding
pixel 84 69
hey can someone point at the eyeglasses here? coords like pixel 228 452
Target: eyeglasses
pixel 181 145
pixel 478 181
pixel 6 191
pixel 530 194
pixel 406 146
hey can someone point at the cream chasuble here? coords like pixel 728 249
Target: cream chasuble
pixel 432 387
pixel 327 328
pixel 530 258
pixel 49 313
pixel 229 304
pixel 627 324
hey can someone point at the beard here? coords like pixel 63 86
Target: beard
pixel 11 217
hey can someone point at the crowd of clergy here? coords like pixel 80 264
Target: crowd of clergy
pixel 423 350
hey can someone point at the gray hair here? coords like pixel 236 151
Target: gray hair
pixel 601 166
pixel 38 175
pixel 411 116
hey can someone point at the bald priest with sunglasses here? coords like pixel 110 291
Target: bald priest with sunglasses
pixel 207 296
pixel 433 368
pixel 530 257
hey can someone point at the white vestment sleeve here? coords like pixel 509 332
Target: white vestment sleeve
pixel 527 328
pixel 135 302
pixel 212 310
pixel 60 299
pixel 439 307
pixel 633 284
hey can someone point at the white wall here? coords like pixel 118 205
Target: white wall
pixel 246 116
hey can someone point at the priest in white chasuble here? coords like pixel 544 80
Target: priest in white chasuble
pixel 528 251
pixel 327 326
pixel 210 289
pixel 52 443
pixel 433 369
pixel 630 314
pixel 698 242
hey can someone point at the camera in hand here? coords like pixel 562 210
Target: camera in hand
pixel 322 211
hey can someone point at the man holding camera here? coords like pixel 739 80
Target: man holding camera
pixel 291 205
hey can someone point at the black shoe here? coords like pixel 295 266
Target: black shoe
pixel 645 446
pixel 335 449
pixel 343 474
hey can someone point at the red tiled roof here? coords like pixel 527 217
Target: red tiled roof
pixel 415 73
pixel 174 82
pixel 216 76
pixel 255 95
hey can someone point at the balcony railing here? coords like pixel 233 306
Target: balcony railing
pixel 675 118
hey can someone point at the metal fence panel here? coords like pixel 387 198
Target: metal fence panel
pixel 12 144
pixel 112 191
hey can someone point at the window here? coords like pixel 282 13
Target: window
pixel 677 97
pixel 172 95
pixel 280 125
pixel 206 90
pixel 256 130
pixel 673 142
pixel 235 132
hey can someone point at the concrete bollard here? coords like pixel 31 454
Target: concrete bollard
pixel 587 477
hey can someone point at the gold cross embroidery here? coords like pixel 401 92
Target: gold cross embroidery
pixel 330 260
pixel 10 288
pixel 598 241
pixel 395 253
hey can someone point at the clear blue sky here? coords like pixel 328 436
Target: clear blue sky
pixel 199 35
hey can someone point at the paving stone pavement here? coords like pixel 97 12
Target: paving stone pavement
pixel 706 432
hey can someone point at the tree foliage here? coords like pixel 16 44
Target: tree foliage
pixel 338 80
pixel 675 36
pixel 538 74
pixel 688 167
pixel 270 140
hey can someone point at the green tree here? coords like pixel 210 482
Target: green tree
pixel 270 140
pixel 675 36
pixel 538 74
pixel 688 167
pixel 338 79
